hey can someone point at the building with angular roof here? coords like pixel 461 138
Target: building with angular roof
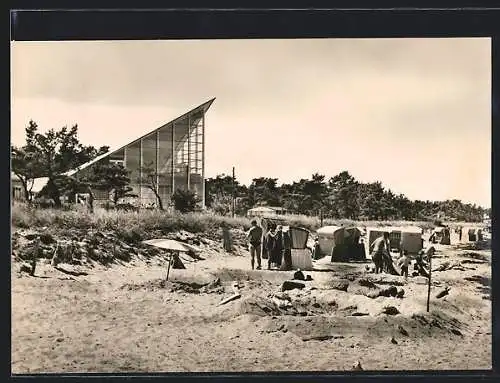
pixel 175 151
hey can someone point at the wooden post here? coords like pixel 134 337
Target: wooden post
pixel 174 154
pixel 188 176
pixel 203 157
pixel 157 168
pixel 54 260
pixel 169 263
pixel 429 285
pixel 141 165
pixel 36 254
pixel 233 195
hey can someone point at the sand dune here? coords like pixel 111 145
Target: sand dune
pixel 125 319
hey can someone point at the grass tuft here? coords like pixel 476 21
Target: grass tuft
pixel 134 225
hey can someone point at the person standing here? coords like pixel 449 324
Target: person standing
pixel 278 246
pixel 460 233
pixel 227 241
pixel 90 200
pixel 379 250
pixel 420 265
pixel 254 237
pixel 287 250
pixel 269 240
pixel 316 251
pixel 404 263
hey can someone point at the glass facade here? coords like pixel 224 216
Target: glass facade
pixel 169 158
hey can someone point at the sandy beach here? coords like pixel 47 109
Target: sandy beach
pixel 125 318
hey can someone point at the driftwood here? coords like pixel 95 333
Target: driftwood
pixel 452 266
pixel 359 314
pixel 236 295
pixel 443 293
pixel 70 272
pixel 317 337
pixel 229 299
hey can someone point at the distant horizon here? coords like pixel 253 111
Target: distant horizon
pixel 414 114
pixel 280 182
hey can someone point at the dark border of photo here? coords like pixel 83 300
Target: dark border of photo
pixel 33 21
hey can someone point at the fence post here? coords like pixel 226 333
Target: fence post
pixel 429 285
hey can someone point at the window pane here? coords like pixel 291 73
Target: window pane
pixel 132 161
pixel 181 154
pixel 149 151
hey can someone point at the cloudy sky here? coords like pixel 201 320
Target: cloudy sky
pixel 412 113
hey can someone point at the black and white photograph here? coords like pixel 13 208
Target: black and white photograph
pixel 251 205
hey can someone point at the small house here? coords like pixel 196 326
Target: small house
pixel 266 211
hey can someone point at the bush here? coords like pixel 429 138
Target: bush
pixel 137 225
pixel 128 224
pixel 185 201
pixel 222 205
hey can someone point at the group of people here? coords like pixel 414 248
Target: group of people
pixel 381 256
pixel 275 245
pixel 380 252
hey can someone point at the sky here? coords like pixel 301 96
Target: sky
pixel 414 114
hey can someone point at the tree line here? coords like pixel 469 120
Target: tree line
pixel 55 153
pixel 341 196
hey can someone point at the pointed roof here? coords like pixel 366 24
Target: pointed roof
pixel 203 107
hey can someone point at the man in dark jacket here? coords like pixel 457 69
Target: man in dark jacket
pixel 316 250
pixel 254 237
pixel 287 250
pixel 278 246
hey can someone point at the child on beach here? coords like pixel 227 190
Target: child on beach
pixel 404 263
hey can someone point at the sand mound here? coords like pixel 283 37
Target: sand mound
pixel 484 285
pixel 484 281
pixel 257 305
pixel 478 245
pixel 475 256
pixel 81 247
pixel 294 303
pixel 386 279
pixel 367 327
pixel 177 286
pixel 275 277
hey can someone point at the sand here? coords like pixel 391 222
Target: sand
pixel 123 318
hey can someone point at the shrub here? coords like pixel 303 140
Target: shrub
pixel 222 205
pixel 136 225
pixel 184 200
